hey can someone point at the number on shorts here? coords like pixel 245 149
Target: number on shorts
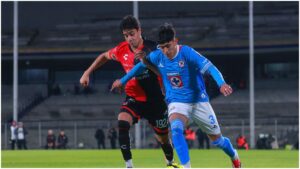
pixel 212 120
pixel 161 123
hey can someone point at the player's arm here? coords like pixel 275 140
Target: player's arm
pixel 136 70
pixel 143 57
pixel 206 67
pixel 225 89
pixel 214 72
pixel 99 61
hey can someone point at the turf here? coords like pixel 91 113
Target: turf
pixel 143 159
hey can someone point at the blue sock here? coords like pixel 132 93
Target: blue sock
pixel 225 144
pixel 177 128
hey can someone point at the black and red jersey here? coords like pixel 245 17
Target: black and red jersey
pixel 146 86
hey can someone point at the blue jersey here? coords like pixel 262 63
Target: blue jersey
pixel 182 75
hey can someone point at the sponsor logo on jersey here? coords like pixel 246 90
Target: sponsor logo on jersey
pixel 125 56
pixel 175 80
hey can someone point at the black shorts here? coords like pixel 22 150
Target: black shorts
pixel 153 111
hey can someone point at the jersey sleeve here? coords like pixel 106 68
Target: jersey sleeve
pixel 198 60
pixel 216 74
pixel 205 66
pixel 113 53
pixel 152 58
pixel 136 70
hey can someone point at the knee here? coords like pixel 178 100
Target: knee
pixel 177 127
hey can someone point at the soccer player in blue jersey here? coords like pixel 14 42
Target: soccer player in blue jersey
pixel 182 70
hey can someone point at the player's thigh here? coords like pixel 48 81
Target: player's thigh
pixel 204 116
pixel 157 116
pixel 124 116
pixel 179 111
pixel 129 111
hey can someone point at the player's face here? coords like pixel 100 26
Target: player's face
pixel 133 37
pixel 169 48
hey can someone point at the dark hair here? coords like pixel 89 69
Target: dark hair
pixel 129 22
pixel 166 33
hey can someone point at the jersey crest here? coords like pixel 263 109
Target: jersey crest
pixel 181 63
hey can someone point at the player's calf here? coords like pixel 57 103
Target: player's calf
pixel 166 146
pixel 225 144
pixel 179 142
pixel 124 142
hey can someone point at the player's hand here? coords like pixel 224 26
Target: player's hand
pixel 84 80
pixel 140 54
pixel 226 90
pixel 116 85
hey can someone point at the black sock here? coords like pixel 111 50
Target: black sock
pixel 168 150
pixel 124 139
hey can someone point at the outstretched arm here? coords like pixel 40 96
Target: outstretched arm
pixel 205 66
pixel 216 74
pixel 136 70
pixel 99 61
pixel 142 56
pixel 225 89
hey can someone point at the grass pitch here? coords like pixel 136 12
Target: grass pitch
pixel 144 158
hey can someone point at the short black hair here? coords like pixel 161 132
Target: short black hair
pixel 129 22
pixel 166 33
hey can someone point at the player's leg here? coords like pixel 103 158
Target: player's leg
pixel 178 118
pixel 163 140
pixel 126 119
pixel 162 136
pixel 205 117
pixel 178 123
pixel 124 123
pixel 225 144
pixel 157 116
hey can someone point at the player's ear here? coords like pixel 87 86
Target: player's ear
pixel 175 40
pixel 139 30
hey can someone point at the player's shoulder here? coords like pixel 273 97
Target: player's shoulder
pixel 122 45
pixel 185 48
pixel 189 51
pixel 156 52
pixel 155 55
